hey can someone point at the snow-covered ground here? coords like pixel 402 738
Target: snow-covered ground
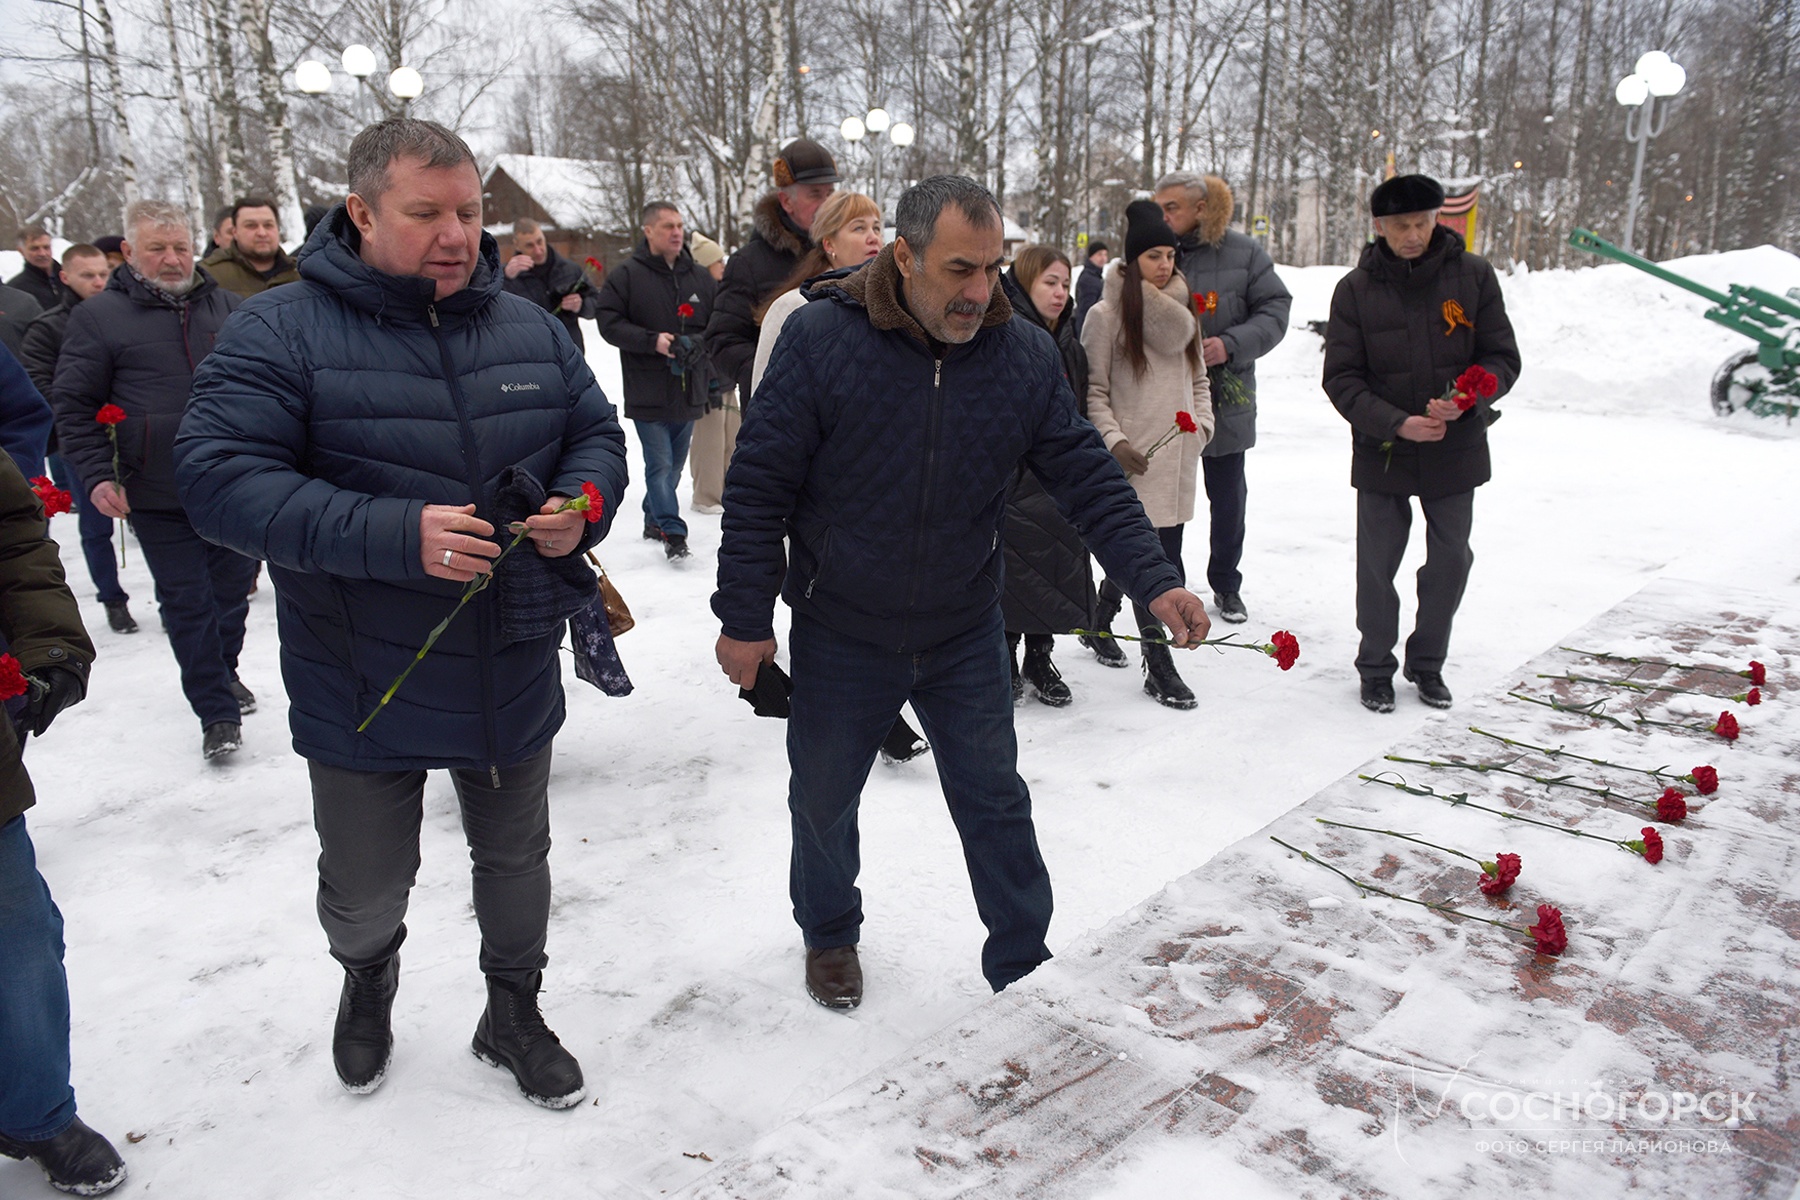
pixel 204 998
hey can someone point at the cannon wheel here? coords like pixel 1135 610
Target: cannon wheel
pixel 1738 380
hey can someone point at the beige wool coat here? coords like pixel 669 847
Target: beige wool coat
pixel 1125 407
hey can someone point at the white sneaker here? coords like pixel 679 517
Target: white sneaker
pixel 711 510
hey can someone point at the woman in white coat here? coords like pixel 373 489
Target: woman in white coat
pixel 1146 385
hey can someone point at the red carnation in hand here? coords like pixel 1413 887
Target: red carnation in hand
pixel 1549 933
pixel 12 678
pixel 1671 806
pixel 1477 381
pixel 1284 648
pixel 1704 779
pixel 55 500
pixel 1465 401
pixel 1726 727
pixel 110 414
pixel 1499 875
pixel 595 507
pixel 1757 673
pixel 1186 423
pixel 685 311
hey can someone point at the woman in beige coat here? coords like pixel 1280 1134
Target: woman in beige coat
pixel 1145 373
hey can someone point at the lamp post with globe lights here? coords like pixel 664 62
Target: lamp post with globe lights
pixel 877 121
pixel 1655 77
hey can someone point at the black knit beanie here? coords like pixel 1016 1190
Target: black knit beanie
pixel 1144 228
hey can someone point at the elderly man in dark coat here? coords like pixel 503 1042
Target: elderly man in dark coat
pixel 373 431
pixel 1415 313
pixel 1243 307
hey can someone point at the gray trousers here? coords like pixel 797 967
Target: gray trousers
pixel 1383 523
pixel 368 823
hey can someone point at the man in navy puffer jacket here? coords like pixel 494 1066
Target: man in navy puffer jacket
pixel 885 434
pixel 352 429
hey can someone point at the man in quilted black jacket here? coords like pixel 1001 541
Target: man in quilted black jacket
pixel 894 411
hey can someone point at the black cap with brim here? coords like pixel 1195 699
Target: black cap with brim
pixel 1406 194
pixel 805 161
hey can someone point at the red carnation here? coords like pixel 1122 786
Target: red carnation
pixel 685 311
pixel 1465 400
pixel 12 678
pixel 1753 697
pixel 1186 423
pixel 110 414
pixel 1671 806
pixel 1726 727
pixel 1757 673
pixel 1477 381
pixel 1549 933
pixel 55 500
pixel 1651 846
pixel 1284 648
pixel 1499 875
pixel 1704 779
pixel 596 503
pixel 593 262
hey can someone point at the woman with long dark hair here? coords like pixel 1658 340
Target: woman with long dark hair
pixel 1049 585
pixel 1145 375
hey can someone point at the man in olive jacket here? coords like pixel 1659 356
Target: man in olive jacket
pixel 50 653
pixel 1414 314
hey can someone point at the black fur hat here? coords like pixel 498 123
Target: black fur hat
pixel 1406 194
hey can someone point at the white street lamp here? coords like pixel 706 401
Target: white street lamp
pixel 852 129
pixel 877 120
pixel 406 83
pixel 1654 77
pixel 359 61
pixel 312 77
pixel 901 135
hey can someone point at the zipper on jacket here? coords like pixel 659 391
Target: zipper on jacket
pixel 933 419
pixel 472 463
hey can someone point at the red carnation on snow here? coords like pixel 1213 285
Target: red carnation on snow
pixel 1704 779
pixel 1549 933
pixel 1650 845
pixel 1671 806
pixel 1499 875
pixel 1284 648
pixel 1757 673
pixel 110 414
pixel 595 507
pixel 1726 727
pixel 56 501
pixel 1753 697
pixel 12 678
pixel 686 311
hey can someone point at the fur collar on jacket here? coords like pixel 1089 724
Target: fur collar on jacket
pixel 776 229
pixel 1217 217
pixel 877 288
pixel 1169 323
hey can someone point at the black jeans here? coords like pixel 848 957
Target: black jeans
pixel 368 823
pixel 1227 495
pixel 204 593
pixel 1383 524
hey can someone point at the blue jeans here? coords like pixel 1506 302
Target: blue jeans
pixel 97 544
pixel 36 1101
pixel 665 453
pixel 204 592
pixel 846 696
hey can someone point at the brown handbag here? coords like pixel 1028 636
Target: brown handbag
pixel 618 617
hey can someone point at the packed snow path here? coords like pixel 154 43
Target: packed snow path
pixel 203 996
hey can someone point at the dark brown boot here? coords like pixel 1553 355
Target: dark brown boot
pixel 834 976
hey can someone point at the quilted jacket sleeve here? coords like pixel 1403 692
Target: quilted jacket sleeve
pixel 774 450
pixel 1347 369
pixel 593 447
pixel 1267 322
pixel 24 416
pixel 237 464
pixel 83 383
pixel 613 314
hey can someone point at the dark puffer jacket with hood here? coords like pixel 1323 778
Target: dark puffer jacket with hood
pixel 886 461
pixel 332 411
pixel 751 275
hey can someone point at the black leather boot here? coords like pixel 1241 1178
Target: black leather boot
pixel 1018 684
pixel 902 744
pixel 1042 674
pixel 1161 683
pixel 1106 649
pixel 362 1042
pixel 512 1035
pixel 77 1160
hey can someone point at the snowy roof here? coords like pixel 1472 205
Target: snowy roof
pixel 570 189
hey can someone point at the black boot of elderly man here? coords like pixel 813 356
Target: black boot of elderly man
pixel 512 1035
pixel 77 1160
pixel 362 1042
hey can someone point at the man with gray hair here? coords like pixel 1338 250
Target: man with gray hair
pixel 895 409
pixel 1243 308
pixel 375 431
pixel 135 346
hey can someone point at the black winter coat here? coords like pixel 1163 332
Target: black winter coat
pixel 642 297
pixel 546 284
pixel 1049 581
pixel 1251 317
pixel 17 311
pixel 886 461
pixel 751 276
pixel 334 410
pixel 129 347
pixel 46 287
pixel 1088 287
pixel 43 345
pixel 1400 333
pixel 24 416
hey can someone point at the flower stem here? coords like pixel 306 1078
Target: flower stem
pixel 1591 709
pixel 1229 639
pixel 1461 800
pixel 1682 725
pixel 1405 837
pixel 1505 769
pixel 1629 685
pixel 1369 887
pixel 1651 662
pixel 1558 752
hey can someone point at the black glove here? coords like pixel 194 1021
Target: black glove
pixel 769 698
pixel 52 690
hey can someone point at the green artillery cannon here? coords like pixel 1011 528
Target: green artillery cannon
pixel 1766 379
